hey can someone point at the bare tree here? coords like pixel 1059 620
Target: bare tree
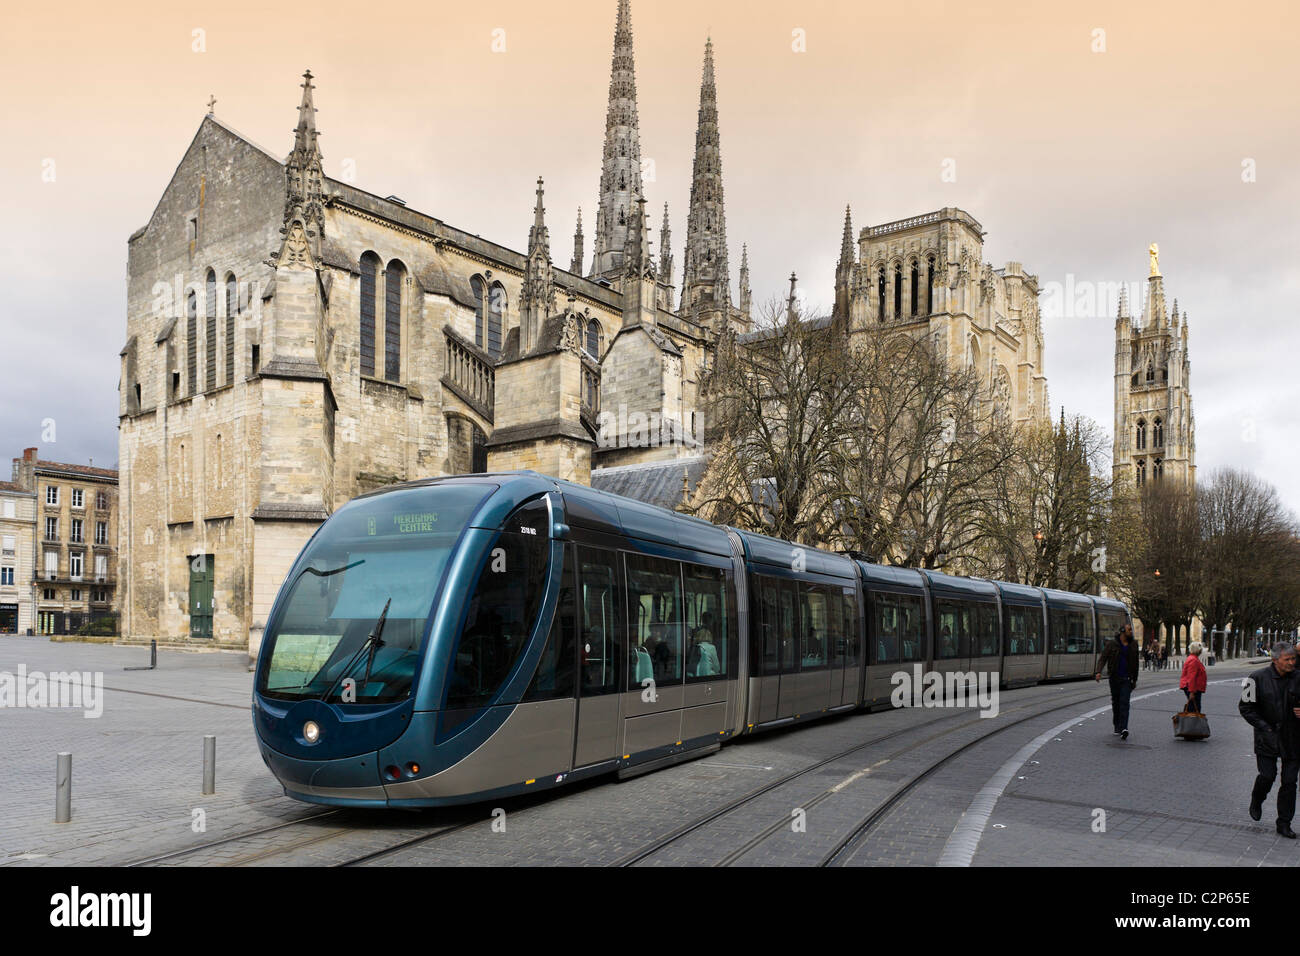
pixel 778 403
pixel 925 442
pixel 1048 510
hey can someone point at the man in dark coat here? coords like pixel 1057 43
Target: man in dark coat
pixel 1269 700
pixel 1121 656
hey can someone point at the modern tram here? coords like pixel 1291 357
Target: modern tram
pixel 462 639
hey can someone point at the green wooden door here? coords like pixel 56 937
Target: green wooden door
pixel 201 578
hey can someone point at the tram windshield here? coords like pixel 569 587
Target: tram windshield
pixel 390 549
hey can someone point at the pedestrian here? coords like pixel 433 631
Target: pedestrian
pixel 1146 656
pixel 1121 657
pixel 1268 702
pixel 1193 681
pixel 1164 656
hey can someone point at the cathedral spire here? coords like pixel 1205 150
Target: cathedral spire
pixel 844 272
pixel 538 294
pixel 706 281
pixel 666 250
pixel 620 171
pixel 576 265
pixel 304 184
pixel 794 295
pixel 746 297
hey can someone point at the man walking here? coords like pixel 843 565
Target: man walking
pixel 1121 656
pixel 1269 701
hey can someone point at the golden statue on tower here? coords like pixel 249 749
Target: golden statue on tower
pixel 1154 252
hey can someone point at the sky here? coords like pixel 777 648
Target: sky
pixel 1076 133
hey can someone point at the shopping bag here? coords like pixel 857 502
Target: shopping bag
pixel 1191 725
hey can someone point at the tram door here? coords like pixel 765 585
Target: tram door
pixel 600 651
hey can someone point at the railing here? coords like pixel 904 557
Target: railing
pixel 470 374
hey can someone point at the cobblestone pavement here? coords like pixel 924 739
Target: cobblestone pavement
pixel 137 775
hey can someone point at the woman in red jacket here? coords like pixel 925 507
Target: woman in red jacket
pixel 1194 678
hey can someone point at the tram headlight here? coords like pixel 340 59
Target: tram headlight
pixel 311 731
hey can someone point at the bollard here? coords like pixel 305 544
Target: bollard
pixel 209 763
pixel 63 789
pixel 153 659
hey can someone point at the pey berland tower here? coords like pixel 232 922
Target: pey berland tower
pixel 293 341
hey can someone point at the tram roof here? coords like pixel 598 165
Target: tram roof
pixel 890 575
pixel 776 553
pixel 1057 598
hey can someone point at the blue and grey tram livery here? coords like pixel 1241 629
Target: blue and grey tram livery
pixel 462 639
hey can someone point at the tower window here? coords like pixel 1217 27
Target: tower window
pixel 916 286
pixel 476 287
pixel 898 290
pixel 369 280
pixel 1158 434
pixel 929 287
pixel 1141 442
pixel 880 294
pixel 394 276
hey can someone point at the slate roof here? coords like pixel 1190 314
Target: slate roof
pixel 657 483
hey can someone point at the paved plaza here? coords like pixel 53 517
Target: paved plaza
pixel 1032 793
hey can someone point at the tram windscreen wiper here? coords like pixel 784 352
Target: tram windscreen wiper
pixel 372 642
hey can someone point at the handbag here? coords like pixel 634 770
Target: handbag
pixel 1191 725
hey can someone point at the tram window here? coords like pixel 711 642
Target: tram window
pixel 950 636
pixel 911 631
pixel 1023 627
pixel 1033 630
pixel 601 635
pixel 708 623
pixel 786 633
pixel 1057 632
pixel 985 643
pixel 1080 641
pixel 814 628
pixel 502 608
pixel 655 608
pixel 886 629
pixel 848 609
pixel 836 634
pixel 554 677
pixel 769 589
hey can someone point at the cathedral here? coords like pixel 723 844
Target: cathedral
pixel 1155 430
pixel 293 341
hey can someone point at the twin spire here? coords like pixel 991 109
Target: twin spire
pixel 706 279
pixel 620 169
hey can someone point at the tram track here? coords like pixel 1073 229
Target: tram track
pixel 848 845
pixel 233 838
pixel 704 820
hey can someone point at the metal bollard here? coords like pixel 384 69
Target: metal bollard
pixel 63 789
pixel 209 763
pixel 153 659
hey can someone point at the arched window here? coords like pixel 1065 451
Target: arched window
pixel 898 290
pixel 929 287
pixel 369 280
pixel 1158 434
pixel 476 287
pixel 1151 372
pixel 210 331
pixel 593 339
pixel 916 286
pixel 496 318
pixel 1141 434
pixel 1157 469
pixel 394 278
pixel 880 294
pixel 192 341
pixel 1141 471
pixel 232 309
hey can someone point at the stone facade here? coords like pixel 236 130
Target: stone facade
pixel 72 561
pixel 293 341
pixel 17 559
pixel 926 275
pixel 1155 427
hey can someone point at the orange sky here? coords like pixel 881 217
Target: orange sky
pixel 1073 160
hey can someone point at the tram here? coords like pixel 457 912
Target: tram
pixel 461 639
